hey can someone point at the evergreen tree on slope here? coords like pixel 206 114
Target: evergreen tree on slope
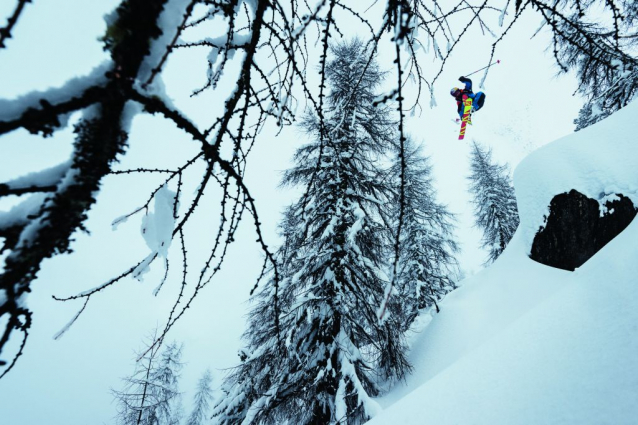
pixel 203 400
pixel 495 210
pixel 427 265
pixel 323 365
pixel 265 353
pixel 151 395
pixel 601 49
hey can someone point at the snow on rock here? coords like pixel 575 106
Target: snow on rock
pixel 575 230
pixel 597 161
pixel 525 343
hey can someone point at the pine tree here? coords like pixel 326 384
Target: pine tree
pixel 600 49
pixel 265 354
pixel 494 202
pixel 203 400
pixel 588 116
pixel 618 93
pixel 151 395
pixel 427 265
pixel 319 359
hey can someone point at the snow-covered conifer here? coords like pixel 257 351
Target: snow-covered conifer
pixel 427 266
pixel 495 209
pixel 315 346
pixel 203 400
pixel 600 46
pixel 151 395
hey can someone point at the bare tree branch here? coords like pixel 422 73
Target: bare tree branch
pixel 5 32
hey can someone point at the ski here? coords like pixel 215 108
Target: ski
pixel 467 105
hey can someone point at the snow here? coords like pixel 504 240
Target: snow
pixel 598 161
pixel 347 355
pixel 502 15
pixel 131 109
pixel 357 226
pixel 157 229
pixel 340 400
pixel 212 59
pixel 143 267
pixel 569 360
pixel 480 309
pixel 120 220
pixel 603 203
pixel 47 177
pixel 521 342
pixel 66 327
pixel 19 213
pixel 169 21
pixel 13 108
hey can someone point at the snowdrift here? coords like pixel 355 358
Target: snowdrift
pixel 523 343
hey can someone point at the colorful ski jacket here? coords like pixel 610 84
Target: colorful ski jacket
pixel 467 91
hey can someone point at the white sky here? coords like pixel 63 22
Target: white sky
pixel 68 381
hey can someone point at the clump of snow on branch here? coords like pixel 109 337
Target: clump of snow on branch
pixel 157 229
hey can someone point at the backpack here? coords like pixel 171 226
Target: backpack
pixel 479 100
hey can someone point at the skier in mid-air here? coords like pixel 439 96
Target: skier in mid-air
pixel 467 102
pixel 457 93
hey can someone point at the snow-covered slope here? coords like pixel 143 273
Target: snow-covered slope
pixel 598 161
pixel 523 343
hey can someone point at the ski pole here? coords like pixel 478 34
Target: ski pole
pixel 485 67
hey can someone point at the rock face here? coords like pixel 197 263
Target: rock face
pixel 576 230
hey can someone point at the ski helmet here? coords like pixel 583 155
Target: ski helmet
pixel 455 91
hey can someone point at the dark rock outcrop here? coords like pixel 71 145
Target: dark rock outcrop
pixel 576 230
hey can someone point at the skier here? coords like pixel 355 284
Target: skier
pixel 477 99
pixel 467 102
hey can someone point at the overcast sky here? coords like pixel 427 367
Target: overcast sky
pixel 68 381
